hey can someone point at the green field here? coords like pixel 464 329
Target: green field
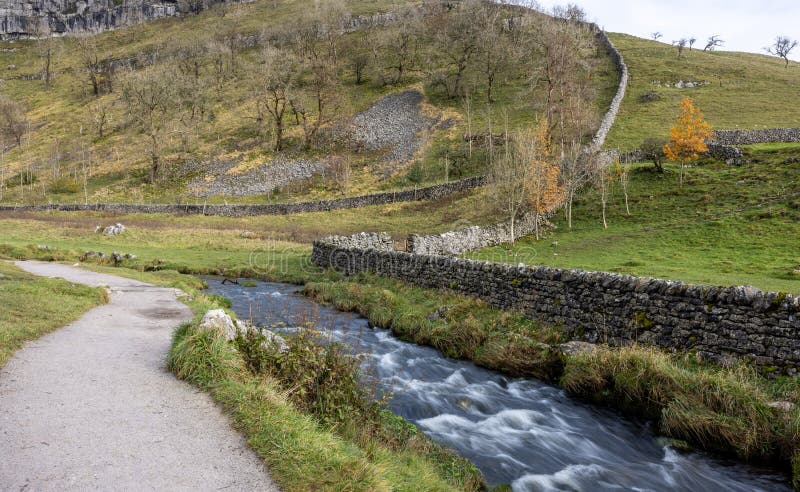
pixel 727 225
pixel 745 90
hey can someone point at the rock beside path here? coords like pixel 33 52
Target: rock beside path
pixel 219 319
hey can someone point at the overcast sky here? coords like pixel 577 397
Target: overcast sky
pixel 744 25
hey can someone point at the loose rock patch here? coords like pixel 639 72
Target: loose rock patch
pixel 393 125
pixel 262 180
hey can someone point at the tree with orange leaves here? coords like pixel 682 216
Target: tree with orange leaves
pixel 525 179
pixel 543 190
pixel 688 136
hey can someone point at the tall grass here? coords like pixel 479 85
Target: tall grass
pixel 458 326
pixel 304 415
pixel 721 409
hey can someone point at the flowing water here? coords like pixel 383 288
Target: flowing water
pixel 518 431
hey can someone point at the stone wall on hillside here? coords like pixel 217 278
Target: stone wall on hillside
pixel 727 153
pixel 434 192
pixel 749 137
pixel 611 115
pixel 718 323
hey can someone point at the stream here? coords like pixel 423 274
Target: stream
pixel 517 431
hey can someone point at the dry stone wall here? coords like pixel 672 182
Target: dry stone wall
pixel 428 193
pixel 611 115
pixel 719 323
pixel 474 237
pixel 749 137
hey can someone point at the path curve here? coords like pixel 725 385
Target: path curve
pixel 91 406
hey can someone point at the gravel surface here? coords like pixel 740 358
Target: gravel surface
pixel 259 181
pixel 91 406
pixel 393 124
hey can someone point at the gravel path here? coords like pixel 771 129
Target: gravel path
pixel 92 407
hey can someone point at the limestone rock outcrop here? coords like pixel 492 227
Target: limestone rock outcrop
pixel 25 18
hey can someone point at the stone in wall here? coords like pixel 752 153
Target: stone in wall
pixel 611 115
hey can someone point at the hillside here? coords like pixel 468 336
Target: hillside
pixel 394 117
pixel 744 90
pixel 727 225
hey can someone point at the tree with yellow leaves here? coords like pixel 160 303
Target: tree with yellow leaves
pixel 525 178
pixel 688 136
pixel 543 190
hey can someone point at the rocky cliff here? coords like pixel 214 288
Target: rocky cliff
pixel 24 18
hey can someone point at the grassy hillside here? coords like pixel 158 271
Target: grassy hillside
pixel 725 226
pixel 746 90
pixel 64 144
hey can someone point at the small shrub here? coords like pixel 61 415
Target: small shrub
pixel 320 378
pixel 653 150
pixel 649 96
pixel 65 185
pixel 23 179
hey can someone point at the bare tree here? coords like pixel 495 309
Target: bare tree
pixel 193 101
pixel 100 116
pixel 562 72
pixel 576 166
pixel 656 36
pixel 624 173
pixel 317 87
pixel 47 47
pixel 509 175
pixel 311 102
pixel 570 12
pixel 713 42
pixel 680 45
pixel 14 123
pixel 220 56
pixel 782 47
pixel 692 40
pixel 399 46
pixel 276 81
pixel 97 70
pixel 341 173
pixel 603 181
pixel 361 54
pixel 152 100
pixel 191 55
pixel 456 34
pixel 496 45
